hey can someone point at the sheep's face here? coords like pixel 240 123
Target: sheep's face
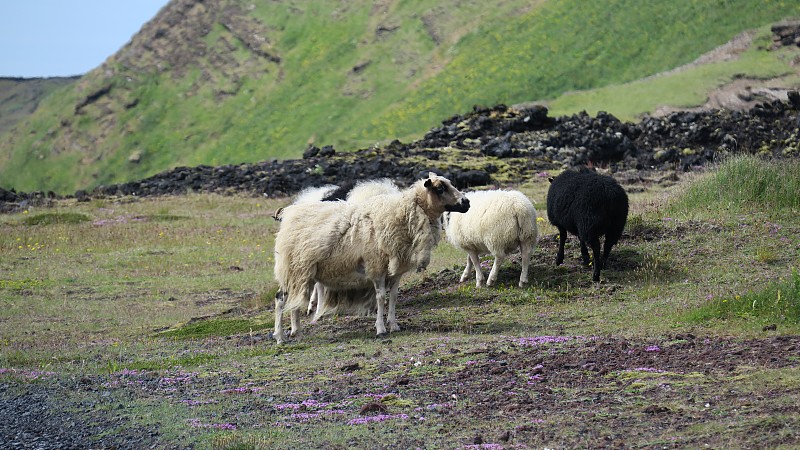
pixel 451 198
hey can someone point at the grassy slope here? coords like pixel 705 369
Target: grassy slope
pixel 19 97
pixel 515 52
pixel 683 89
pixel 85 297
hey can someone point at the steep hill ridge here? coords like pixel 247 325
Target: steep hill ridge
pixel 213 82
pixel 19 97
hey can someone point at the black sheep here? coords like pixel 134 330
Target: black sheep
pixel 588 205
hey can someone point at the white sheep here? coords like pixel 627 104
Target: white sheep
pixel 360 300
pixel 342 244
pixel 498 222
pixel 357 301
pixel 309 195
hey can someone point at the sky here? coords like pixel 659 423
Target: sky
pixel 54 38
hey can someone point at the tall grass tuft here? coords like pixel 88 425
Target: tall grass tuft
pixel 778 302
pixel 745 182
pixel 215 327
pixel 56 218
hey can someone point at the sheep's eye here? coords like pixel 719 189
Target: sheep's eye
pixel 440 189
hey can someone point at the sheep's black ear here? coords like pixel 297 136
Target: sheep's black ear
pixel 550 179
pixel 428 183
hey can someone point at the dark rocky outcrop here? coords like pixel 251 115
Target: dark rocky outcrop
pixel 499 145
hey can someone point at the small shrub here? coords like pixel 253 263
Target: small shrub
pixel 163 217
pixel 766 255
pixel 55 218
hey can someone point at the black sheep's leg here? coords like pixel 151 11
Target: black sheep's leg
pixel 562 239
pixel 584 253
pixel 611 239
pixel 598 262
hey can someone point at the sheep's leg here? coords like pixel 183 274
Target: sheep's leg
pixel 595 243
pixel 525 254
pixel 295 316
pixel 476 261
pixel 498 261
pixel 312 302
pixel 611 239
pixel 319 294
pixel 584 252
pixel 280 301
pixel 380 295
pixel 562 239
pixel 467 270
pixel 391 313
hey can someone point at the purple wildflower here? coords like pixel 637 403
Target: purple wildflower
pixel 535 379
pixel 653 348
pixel 306 417
pixel 375 419
pixel 541 340
pixel 30 374
pixel 305 404
pixel 242 390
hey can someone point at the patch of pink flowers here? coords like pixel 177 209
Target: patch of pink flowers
pixel 375 419
pixel 29 374
pixel 652 349
pixel 179 378
pixel 306 417
pixel 242 390
pixel 542 340
pixel 305 404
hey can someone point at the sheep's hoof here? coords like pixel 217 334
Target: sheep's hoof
pixel 394 328
pixel 278 340
pixel 383 335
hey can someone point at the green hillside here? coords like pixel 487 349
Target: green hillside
pixel 20 96
pixel 228 81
